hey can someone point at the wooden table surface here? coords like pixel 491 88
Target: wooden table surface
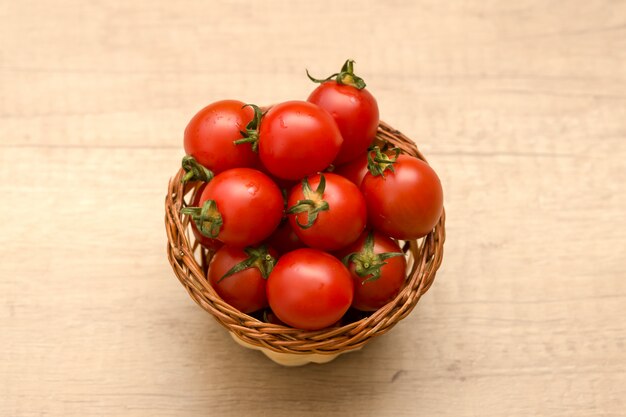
pixel 520 107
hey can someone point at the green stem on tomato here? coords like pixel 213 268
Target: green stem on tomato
pixel 368 264
pixel 194 171
pixel 380 162
pixel 258 258
pixel 344 77
pixel 207 218
pixel 251 133
pixel 312 204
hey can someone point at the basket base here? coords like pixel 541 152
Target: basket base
pixel 290 359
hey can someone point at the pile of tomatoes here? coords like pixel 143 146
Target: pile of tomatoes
pixel 303 207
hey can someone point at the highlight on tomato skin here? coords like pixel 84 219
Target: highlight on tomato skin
pixel 209 137
pixel 309 289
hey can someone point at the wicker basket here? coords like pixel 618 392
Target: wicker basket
pixel 286 345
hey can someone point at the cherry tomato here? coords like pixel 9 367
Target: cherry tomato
pixel 210 134
pixel 239 207
pixel 239 276
pixel 405 203
pixel 296 139
pixel 329 218
pixel 378 268
pixel 309 289
pixel 285 239
pixel 353 107
pixel 207 242
pixel 354 170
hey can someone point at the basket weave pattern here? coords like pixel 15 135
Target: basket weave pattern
pixel 424 258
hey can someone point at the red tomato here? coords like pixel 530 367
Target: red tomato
pixel 329 218
pixel 296 139
pixel 405 204
pixel 353 107
pixel 239 207
pixel 378 268
pixel 354 170
pixel 207 242
pixel 284 239
pixel 239 276
pixel 309 289
pixel 210 134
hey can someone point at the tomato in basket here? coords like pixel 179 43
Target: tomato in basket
pixel 239 276
pixel 327 211
pixel 404 197
pixel 239 207
pixel 352 106
pixel 211 134
pixel 296 139
pixel 309 289
pixel 378 268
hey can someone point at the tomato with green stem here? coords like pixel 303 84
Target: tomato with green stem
pixel 239 276
pixel 239 207
pixel 211 134
pixel 378 268
pixel 353 107
pixel 327 211
pixel 403 195
pixel 309 289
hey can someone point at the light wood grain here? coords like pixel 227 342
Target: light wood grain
pixel 520 106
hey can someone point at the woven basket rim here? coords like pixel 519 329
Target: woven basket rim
pixel 426 254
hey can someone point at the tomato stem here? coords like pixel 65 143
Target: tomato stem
pixel 312 204
pixel 381 162
pixel 207 218
pixel 251 133
pixel 344 77
pixel 194 171
pixel 368 264
pixel 258 258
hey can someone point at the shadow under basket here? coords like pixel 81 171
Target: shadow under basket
pixel 286 345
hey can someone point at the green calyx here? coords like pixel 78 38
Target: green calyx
pixel 251 133
pixel 207 218
pixel 380 162
pixel 194 171
pixel 258 258
pixel 344 77
pixel 368 264
pixel 312 204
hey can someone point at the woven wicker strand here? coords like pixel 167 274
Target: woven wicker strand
pixel 424 258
